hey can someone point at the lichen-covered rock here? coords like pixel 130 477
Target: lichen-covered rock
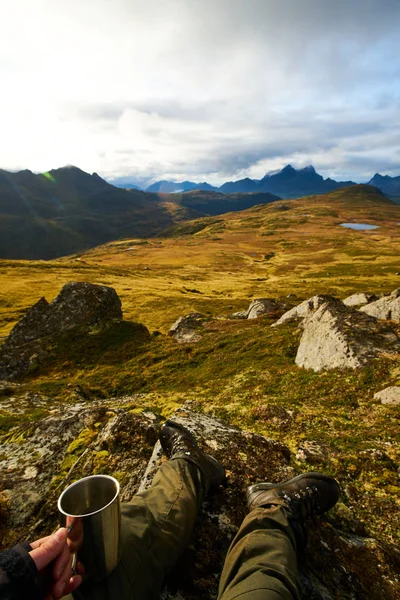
pixel 359 299
pixel 312 452
pixel 390 395
pixel 336 336
pixel 386 308
pixel 39 459
pixel 301 311
pixel 78 305
pixel 259 307
pixel 188 328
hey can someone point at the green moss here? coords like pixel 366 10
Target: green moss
pixel 100 461
pixel 85 437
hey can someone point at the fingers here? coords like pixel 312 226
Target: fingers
pixel 62 561
pixel 62 588
pixel 38 543
pixel 63 577
pixel 73 583
pixel 47 549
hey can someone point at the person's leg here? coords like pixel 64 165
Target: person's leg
pixel 155 527
pixel 157 524
pixel 261 563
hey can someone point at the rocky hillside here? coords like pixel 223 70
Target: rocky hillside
pixel 82 388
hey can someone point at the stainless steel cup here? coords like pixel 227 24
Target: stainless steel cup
pixel 90 509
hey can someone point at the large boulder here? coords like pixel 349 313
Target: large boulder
pixel 359 299
pixel 41 458
pixel 78 305
pixel 301 311
pixel 336 336
pixel 188 329
pixel 78 308
pixel 259 307
pixel 386 308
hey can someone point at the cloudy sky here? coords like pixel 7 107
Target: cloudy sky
pixel 201 89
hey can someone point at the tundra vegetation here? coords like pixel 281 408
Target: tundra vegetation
pixel 243 371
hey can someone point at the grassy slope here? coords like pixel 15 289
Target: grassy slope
pixel 240 369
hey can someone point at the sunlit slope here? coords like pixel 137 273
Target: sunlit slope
pixel 215 264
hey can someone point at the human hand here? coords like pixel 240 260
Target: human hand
pixel 53 560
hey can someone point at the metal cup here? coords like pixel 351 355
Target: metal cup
pixel 90 509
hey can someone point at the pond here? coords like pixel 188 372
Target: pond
pixel 359 226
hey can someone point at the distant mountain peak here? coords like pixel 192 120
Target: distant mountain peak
pixel 308 169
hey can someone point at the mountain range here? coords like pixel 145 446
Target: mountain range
pixel 63 211
pixel 66 210
pixel 287 183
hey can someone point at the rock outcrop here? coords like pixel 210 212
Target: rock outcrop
pixel 74 441
pixel 78 305
pixel 359 299
pixel 390 395
pixel 301 311
pixel 259 307
pixel 78 308
pixel 336 336
pixel 188 328
pixel 386 308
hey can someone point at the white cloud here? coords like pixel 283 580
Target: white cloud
pixel 200 89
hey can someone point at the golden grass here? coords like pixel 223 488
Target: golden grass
pixel 312 254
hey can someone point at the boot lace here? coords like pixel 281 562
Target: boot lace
pixel 304 503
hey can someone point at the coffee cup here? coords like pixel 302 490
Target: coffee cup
pixel 90 510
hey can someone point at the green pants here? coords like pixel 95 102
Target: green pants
pixel 156 527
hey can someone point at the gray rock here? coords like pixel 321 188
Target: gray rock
pixel 301 311
pixel 336 336
pixel 390 395
pixel 188 328
pixel 359 299
pixel 259 307
pixel 312 452
pixel 78 305
pixel 386 308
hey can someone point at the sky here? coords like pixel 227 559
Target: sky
pixel 211 90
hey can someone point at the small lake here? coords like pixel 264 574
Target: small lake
pixel 359 226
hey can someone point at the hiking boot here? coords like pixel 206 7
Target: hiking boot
pixel 305 496
pixel 179 442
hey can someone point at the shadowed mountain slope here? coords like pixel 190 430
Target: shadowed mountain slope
pixel 67 210
pixel 389 185
pixel 214 203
